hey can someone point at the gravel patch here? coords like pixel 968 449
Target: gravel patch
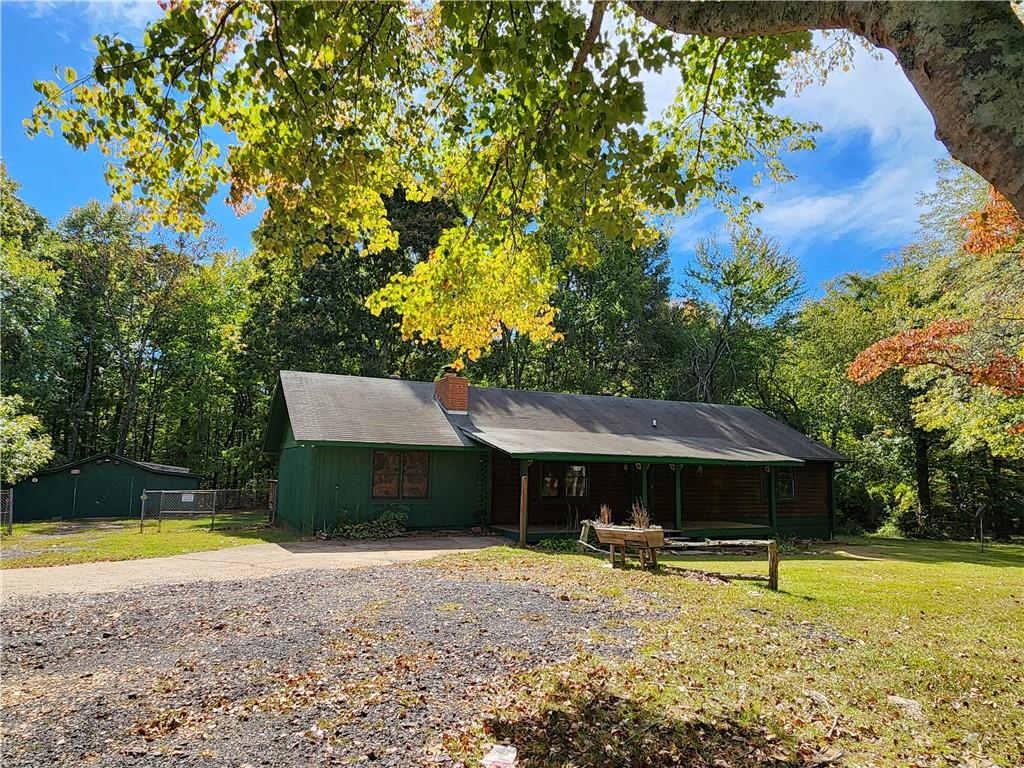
pixel 317 667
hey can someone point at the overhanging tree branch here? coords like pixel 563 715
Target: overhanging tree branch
pixel 964 59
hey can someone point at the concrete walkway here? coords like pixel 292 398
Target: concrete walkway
pixel 249 561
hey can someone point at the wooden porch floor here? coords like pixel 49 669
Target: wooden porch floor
pixel 692 529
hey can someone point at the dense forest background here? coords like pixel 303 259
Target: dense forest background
pixel 167 348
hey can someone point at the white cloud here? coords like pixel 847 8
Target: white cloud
pixel 660 90
pixel 873 100
pixel 873 96
pixel 878 211
pixel 705 221
pixel 127 18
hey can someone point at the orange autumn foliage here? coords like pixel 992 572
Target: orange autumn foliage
pixel 933 345
pixel 996 225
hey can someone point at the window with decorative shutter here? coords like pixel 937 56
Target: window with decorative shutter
pixel 401 474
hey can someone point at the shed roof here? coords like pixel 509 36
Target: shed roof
pixel 371 411
pixel 163 469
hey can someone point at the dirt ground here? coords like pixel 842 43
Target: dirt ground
pixel 307 667
pixel 253 560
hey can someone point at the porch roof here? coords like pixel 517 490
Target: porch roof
pixel 604 446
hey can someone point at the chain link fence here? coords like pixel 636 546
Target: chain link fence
pixel 225 507
pixel 7 511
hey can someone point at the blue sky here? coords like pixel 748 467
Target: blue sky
pixel 851 205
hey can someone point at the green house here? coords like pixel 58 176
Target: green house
pixel 105 485
pixel 532 465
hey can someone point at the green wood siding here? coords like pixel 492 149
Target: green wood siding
pixel 105 489
pixel 295 488
pixel 804 527
pixel 318 484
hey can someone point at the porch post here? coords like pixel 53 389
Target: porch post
pixel 830 490
pixel 643 484
pixel 524 485
pixel 679 496
pixel 772 496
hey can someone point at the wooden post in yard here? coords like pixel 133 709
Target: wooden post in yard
pixel 679 496
pixel 773 565
pixel 524 487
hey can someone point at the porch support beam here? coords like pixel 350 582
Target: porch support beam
pixel 831 493
pixel 679 497
pixel 643 484
pixel 524 487
pixel 772 496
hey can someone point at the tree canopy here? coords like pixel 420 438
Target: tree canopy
pixel 528 116
pixel 169 349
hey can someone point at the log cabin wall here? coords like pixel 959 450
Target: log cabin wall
pixel 610 483
pixel 711 492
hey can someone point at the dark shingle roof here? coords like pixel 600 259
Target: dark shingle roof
pixel 601 417
pixel 356 409
pixel 538 443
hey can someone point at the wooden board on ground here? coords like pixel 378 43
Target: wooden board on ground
pixel 727 546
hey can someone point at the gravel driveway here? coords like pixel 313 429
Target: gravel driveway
pixel 231 564
pixel 303 668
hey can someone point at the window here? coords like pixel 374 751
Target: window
pixel 387 469
pixel 575 481
pixel 550 482
pixel 785 484
pixel 563 481
pixel 785 487
pixel 401 474
pixel 415 474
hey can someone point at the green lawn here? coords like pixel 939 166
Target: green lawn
pixel 874 653
pixel 63 542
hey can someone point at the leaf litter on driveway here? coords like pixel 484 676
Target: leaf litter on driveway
pixel 321 666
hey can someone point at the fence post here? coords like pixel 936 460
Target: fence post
pixel 7 510
pixel 142 511
pixel 213 515
pixel 773 565
pixel 272 500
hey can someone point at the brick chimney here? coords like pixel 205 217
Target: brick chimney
pixel 452 391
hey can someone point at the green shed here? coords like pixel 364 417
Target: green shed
pixel 105 485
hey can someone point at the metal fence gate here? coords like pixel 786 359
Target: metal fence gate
pixel 226 507
pixel 7 511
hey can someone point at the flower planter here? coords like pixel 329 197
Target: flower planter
pixel 646 541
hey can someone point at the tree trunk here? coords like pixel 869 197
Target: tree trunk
pixel 964 59
pixel 83 403
pixel 996 512
pixel 127 415
pixel 922 473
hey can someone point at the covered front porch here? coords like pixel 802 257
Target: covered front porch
pixel 543 498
